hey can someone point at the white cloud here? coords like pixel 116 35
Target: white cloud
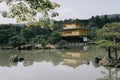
pixel 84 9
pixel 6 20
pixel 81 9
pixel 64 13
pixel 3 6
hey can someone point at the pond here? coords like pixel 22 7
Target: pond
pixel 76 63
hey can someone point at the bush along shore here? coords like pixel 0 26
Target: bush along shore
pixel 35 46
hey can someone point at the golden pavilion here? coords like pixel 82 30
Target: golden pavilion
pixel 74 32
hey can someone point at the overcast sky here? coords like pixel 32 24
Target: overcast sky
pixel 81 9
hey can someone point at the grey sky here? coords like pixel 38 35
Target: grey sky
pixel 84 9
pixel 81 9
pixel 3 20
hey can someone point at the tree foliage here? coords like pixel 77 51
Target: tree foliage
pixel 110 37
pixel 16 41
pixel 31 11
pixel 17 35
pixel 55 37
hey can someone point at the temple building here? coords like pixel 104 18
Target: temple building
pixel 74 32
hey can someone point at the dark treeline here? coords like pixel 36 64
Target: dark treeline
pixel 94 21
pixel 16 35
pixel 19 34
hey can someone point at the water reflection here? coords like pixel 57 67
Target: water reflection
pixel 54 56
pixel 75 59
pixel 68 64
pixel 110 74
pixel 30 57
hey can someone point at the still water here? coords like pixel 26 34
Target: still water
pixel 70 64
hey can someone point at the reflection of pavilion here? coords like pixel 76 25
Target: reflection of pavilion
pixel 75 59
pixel 72 62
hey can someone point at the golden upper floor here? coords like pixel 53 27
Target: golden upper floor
pixel 72 25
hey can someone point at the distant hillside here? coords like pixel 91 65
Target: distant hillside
pixel 111 16
pixel 95 21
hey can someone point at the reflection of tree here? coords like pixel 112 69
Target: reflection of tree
pixel 42 55
pixel 53 56
pixel 5 58
pixel 111 74
pixel 96 52
pixel 30 57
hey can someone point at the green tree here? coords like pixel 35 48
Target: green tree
pixel 55 37
pixel 16 41
pixel 31 11
pixel 27 33
pixel 5 34
pixel 110 38
pixel 39 38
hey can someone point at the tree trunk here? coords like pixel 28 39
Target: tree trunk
pixel 109 53
pixel 116 54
